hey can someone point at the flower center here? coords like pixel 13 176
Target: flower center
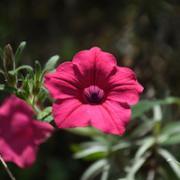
pixel 93 94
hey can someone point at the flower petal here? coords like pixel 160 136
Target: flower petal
pixel 41 131
pixel 63 83
pixel 20 134
pixel 94 64
pixel 69 113
pixel 123 87
pixel 23 153
pixel 124 79
pixel 12 103
pixel 130 97
pixel 111 117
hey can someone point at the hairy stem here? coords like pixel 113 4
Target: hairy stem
pixel 7 169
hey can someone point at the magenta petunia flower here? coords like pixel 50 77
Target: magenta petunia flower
pixel 20 134
pixel 93 91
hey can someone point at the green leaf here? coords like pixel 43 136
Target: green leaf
pixel 170 134
pixel 91 150
pixel 138 163
pixel 178 163
pixel 8 58
pixel 19 51
pixel 45 115
pixel 143 128
pixel 170 160
pixel 105 172
pixel 121 145
pixel 48 118
pixel 50 65
pixel 2 86
pixel 157 113
pixel 85 131
pixel 9 89
pixel 142 107
pixel 29 68
pixel 37 79
pixel 145 105
pixel 147 143
pixel 27 84
pixel 37 71
pixel 170 140
pixel 171 128
pixel 95 169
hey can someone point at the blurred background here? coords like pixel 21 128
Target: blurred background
pixel 142 34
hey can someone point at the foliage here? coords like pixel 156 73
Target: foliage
pixel 26 85
pixel 148 150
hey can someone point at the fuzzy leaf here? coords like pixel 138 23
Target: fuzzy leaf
pixel 51 64
pixel 91 150
pixel 168 156
pixel 29 68
pixel 146 105
pixel 19 51
pixel 170 134
pixel 95 169
pixel 45 115
pixel 144 147
pixel 135 167
pixel 85 131
pixel 2 86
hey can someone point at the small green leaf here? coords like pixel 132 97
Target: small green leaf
pixel 29 68
pixel 105 172
pixel 137 164
pixel 85 131
pixel 50 65
pixel 2 86
pixel 171 128
pixel 172 160
pixel 45 115
pixel 95 169
pixel 10 89
pixel 170 134
pixel 19 51
pixel 142 107
pixel 157 113
pixel 168 156
pixel 121 145
pixel 91 150
pixel 8 58
pixel 37 79
pixel 37 69
pixel 143 128
pixel 146 105
pixel 48 118
pixel 170 140
pixel 147 143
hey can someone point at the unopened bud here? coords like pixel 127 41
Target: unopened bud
pixel 8 59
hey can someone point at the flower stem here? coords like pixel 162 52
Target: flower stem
pixel 7 169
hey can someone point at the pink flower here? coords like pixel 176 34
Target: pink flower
pixel 20 134
pixel 93 91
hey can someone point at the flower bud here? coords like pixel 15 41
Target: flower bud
pixel 8 59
